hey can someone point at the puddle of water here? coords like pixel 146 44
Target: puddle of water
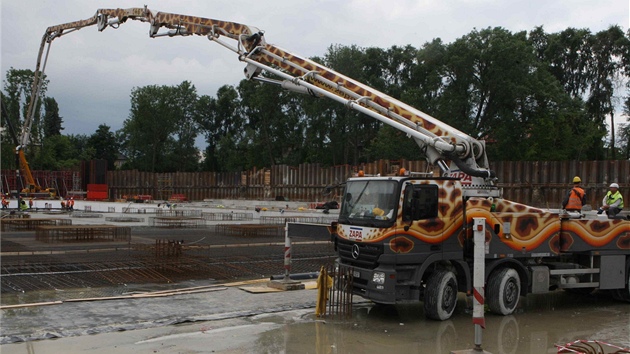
pixel 541 322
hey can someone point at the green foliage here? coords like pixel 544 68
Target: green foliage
pixel 105 145
pixel 530 96
pixel 59 152
pixel 52 121
pixel 160 131
pixel 18 90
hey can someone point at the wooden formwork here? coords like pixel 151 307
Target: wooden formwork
pixel 177 221
pixel 250 230
pixel 29 224
pixel 82 233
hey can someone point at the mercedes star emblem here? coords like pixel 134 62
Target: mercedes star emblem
pixel 355 251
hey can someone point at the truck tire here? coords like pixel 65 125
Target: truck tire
pixel 440 295
pixel 504 290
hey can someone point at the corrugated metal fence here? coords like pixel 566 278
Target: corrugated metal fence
pixel 545 183
pixel 536 183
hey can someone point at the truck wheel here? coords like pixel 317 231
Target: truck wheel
pixel 504 290
pixel 440 295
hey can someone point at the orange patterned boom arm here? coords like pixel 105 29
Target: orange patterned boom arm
pixel 438 140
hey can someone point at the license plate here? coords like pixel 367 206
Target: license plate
pixel 356 274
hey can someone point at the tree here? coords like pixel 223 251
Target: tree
pixel 62 152
pixel 104 144
pixel 608 49
pixel 184 155
pixel 222 124
pixel 52 120
pixel 273 124
pixel 8 137
pixel 159 132
pixel 18 88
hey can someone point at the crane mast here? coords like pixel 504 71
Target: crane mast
pixel 438 141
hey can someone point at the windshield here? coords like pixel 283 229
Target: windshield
pixel 369 201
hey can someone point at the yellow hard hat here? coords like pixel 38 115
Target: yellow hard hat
pixel 576 179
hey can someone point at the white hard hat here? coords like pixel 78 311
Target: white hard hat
pixel 614 185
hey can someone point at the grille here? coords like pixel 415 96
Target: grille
pixel 368 254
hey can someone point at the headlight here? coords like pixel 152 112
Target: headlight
pixel 378 278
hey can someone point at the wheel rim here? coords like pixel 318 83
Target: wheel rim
pixel 511 293
pixel 448 297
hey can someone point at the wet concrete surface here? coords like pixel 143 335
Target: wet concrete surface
pixel 231 320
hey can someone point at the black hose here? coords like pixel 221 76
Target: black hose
pixel 469 170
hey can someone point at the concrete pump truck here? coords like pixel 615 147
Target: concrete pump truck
pixel 408 238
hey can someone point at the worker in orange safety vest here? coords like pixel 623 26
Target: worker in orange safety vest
pixel 576 197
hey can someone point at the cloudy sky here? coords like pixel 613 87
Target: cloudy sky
pixel 92 73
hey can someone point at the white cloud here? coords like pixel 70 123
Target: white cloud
pixel 92 74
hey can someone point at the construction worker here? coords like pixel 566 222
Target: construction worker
pixel 71 204
pixel 5 203
pixel 575 198
pixel 612 202
pixel 30 203
pixel 23 206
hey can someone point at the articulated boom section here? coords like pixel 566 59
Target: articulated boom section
pixel 438 141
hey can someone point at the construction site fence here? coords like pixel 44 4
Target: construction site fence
pixel 536 183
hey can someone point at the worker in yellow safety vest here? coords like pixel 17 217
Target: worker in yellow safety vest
pixel 612 202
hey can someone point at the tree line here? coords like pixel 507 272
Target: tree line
pixel 530 95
